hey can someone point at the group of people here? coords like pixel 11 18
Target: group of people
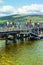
pixel 18 25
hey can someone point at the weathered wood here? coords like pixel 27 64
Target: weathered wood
pixel 6 39
pixel 14 38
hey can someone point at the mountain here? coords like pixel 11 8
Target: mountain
pixel 22 18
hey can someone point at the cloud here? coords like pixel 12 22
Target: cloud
pixel 30 9
pixel 1 1
pixel 6 10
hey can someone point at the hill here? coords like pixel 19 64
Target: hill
pixel 22 18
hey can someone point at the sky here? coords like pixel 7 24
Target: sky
pixel 11 7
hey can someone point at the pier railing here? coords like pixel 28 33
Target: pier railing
pixel 23 28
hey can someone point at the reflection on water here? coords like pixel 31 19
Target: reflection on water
pixel 21 53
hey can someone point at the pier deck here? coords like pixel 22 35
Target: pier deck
pixel 18 33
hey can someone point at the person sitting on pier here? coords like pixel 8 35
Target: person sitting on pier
pixel 36 28
pixel 7 24
pixel 18 25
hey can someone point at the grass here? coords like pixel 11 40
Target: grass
pixel 23 19
pixel 27 19
pixel 3 21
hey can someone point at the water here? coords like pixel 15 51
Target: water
pixel 21 53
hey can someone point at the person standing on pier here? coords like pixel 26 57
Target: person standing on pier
pixel 30 25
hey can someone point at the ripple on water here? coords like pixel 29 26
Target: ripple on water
pixel 22 53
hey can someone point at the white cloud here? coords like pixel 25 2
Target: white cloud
pixel 6 9
pixel 1 1
pixel 30 9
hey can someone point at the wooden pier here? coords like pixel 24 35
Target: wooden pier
pixel 13 34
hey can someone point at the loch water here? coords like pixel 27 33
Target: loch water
pixel 26 52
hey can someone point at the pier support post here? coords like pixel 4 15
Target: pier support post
pixel 21 37
pixel 6 39
pixel 14 38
